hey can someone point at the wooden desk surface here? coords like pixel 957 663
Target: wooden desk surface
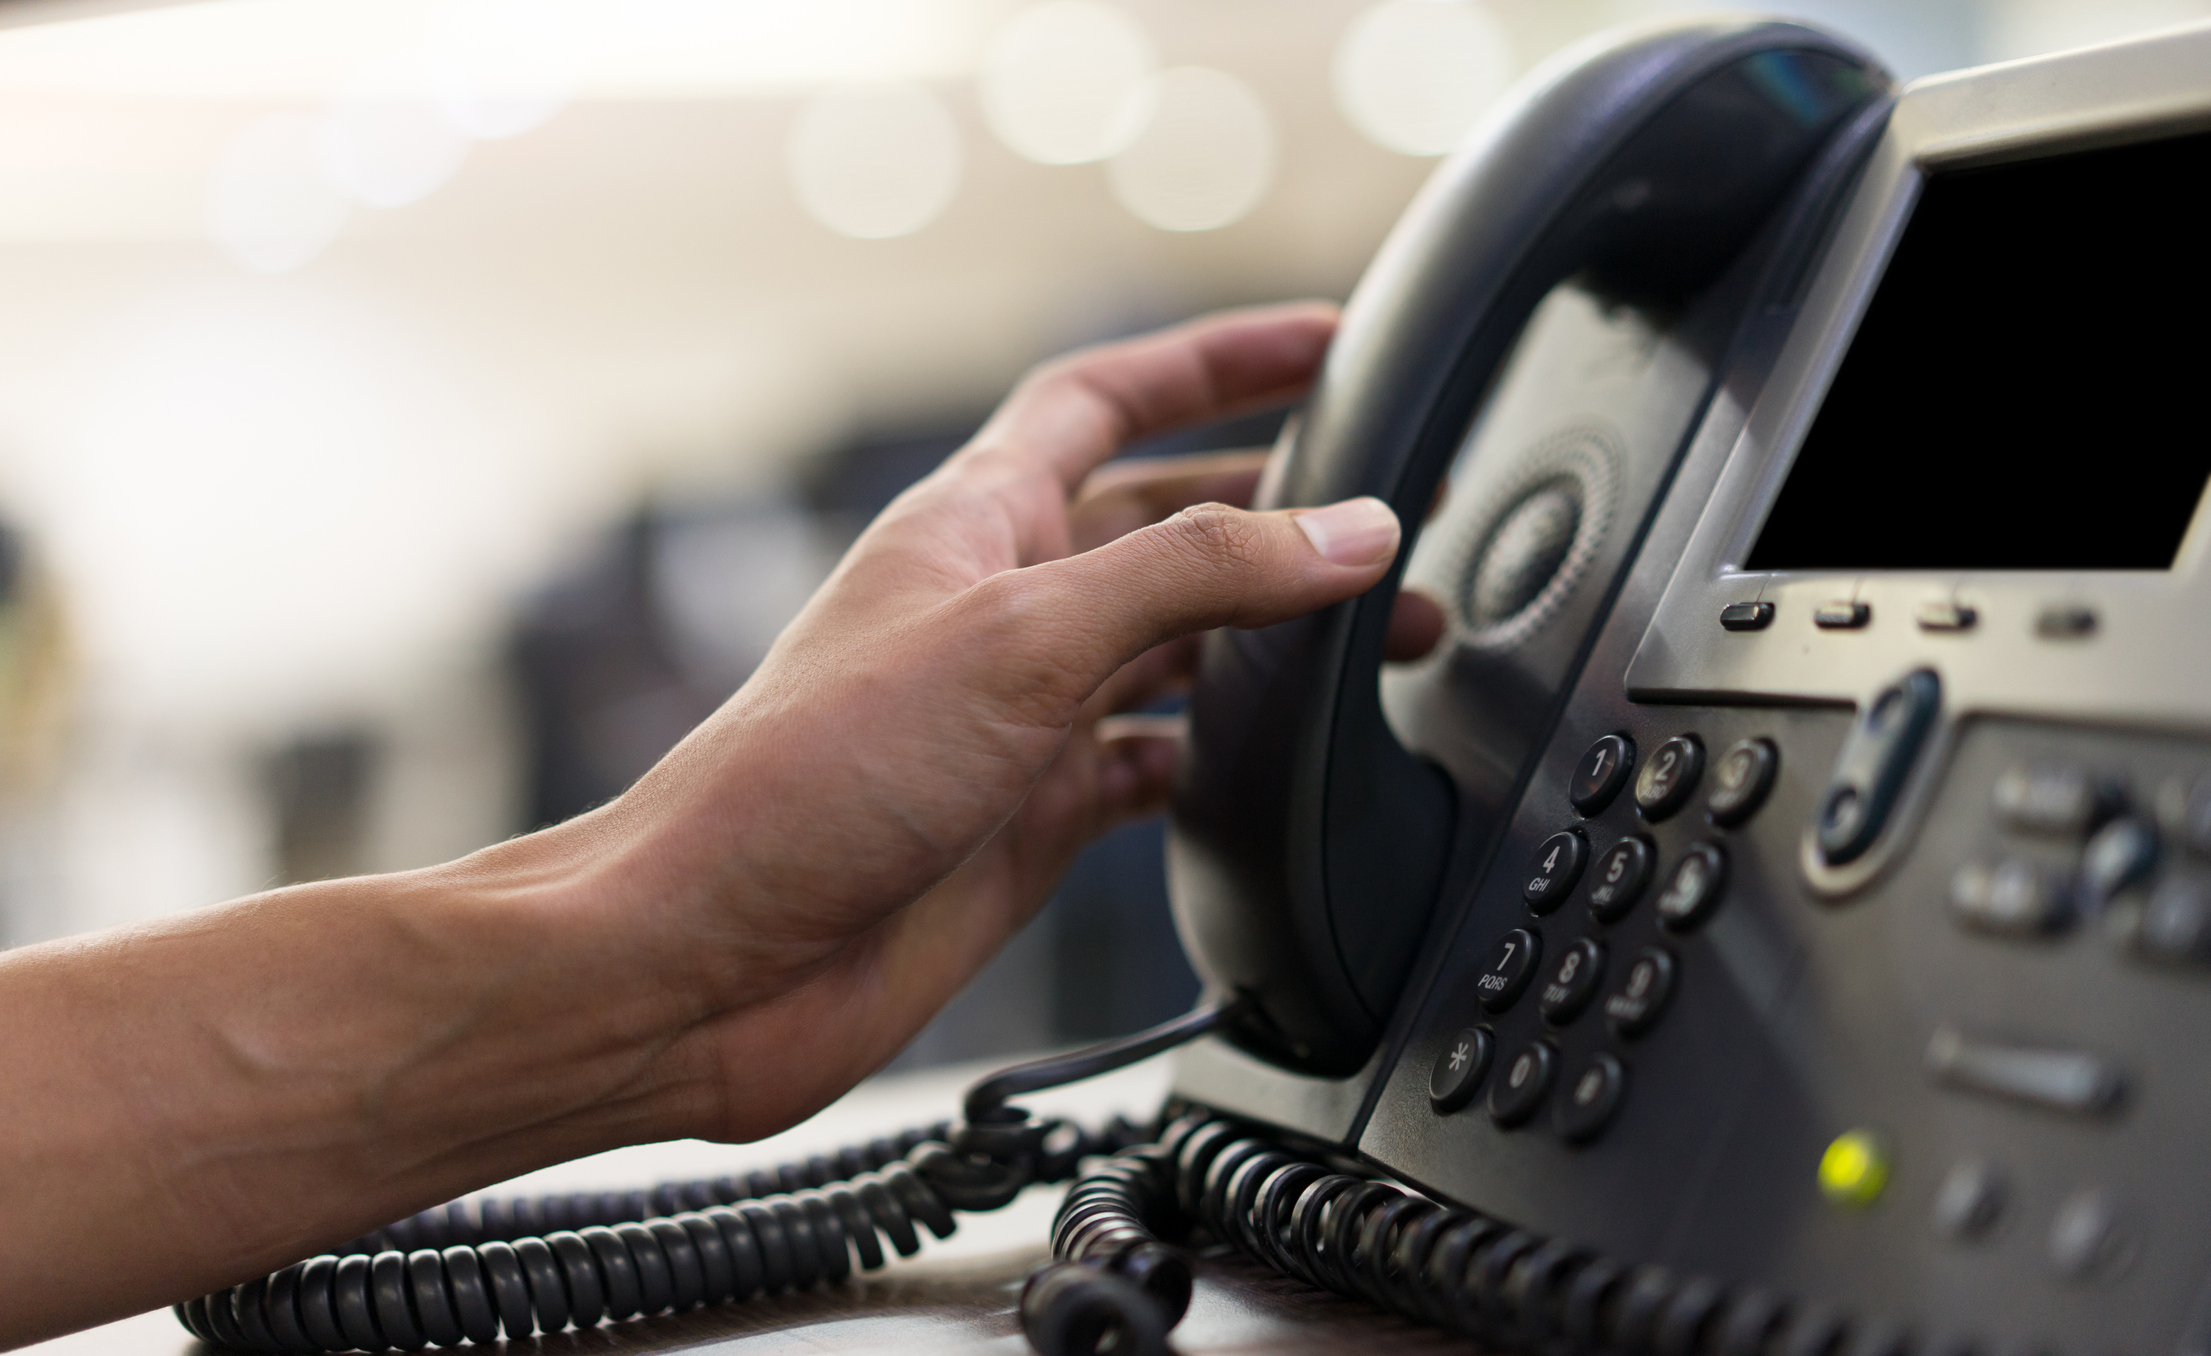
pixel 956 1296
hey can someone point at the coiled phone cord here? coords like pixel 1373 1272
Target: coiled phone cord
pixel 1454 1268
pixel 475 1270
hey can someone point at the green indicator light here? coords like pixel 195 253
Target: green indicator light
pixel 1854 1168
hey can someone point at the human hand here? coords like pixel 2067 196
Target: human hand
pixel 906 777
pixel 765 918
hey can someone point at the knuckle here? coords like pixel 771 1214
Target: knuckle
pixel 1218 535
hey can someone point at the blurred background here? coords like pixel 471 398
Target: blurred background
pixel 416 414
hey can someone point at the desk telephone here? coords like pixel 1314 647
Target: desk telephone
pixel 1778 920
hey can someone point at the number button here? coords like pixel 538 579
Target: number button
pixel 1667 779
pixel 1511 966
pixel 1551 875
pixel 1574 983
pixel 1591 1098
pixel 1621 875
pixel 1600 774
pixel 1521 1087
pixel 1636 1005
pixel 1694 889
pixel 1459 1068
pixel 1741 779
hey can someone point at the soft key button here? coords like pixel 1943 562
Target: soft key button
pixel 2175 924
pixel 1871 769
pixel 2053 798
pixel 1843 615
pixel 2015 897
pixel 2057 1080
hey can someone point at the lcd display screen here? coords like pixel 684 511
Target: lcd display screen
pixel 2028 388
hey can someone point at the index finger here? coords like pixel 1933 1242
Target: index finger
pixel 1075 412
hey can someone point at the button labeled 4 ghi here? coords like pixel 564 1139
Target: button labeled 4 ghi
pixel 1556 866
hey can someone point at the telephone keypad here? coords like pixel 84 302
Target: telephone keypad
pixel 1552 873
pixel 1592 1096
pixel 1574 982
pixel 1600 774
pixel 1621 874
pixel 1522 1084
pixel 1460 1068
pixel 1637 1004
pixel 1694 889
pixel 1667 780
pixel 1741 780
pixel 1510 968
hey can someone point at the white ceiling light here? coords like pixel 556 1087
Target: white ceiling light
pixel 1205 156
pixel 384 140
pixel 1412 75
pixel 266 205
pixel 874 161
pixel 1063 82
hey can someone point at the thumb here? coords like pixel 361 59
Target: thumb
pixel 1212 565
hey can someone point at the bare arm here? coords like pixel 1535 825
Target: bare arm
pixel 766 917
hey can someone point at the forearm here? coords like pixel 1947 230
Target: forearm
pixel 198 1100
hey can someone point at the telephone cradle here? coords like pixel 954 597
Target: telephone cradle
pixel 1776 921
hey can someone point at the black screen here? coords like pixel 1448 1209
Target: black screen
pixel 2028 390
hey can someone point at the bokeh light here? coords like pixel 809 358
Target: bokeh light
pixel 874 160
pixel 1064 82
pixel 1204 157
pixel 384 139
pixel 504 67
pixel 1412 75
pixel 266 204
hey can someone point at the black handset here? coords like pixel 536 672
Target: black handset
pixel 1308 845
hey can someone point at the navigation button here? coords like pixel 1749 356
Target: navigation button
pixel 1459 1068
pixel 1600 774
pixel 1522 1085
pixel 1592 1096
pixel 1870 770
pixel 1620 877
pixel 1510 967
pixel 1666 781
pixel 2056 1080
pixel 1747 616
pixel 1636 1005
pixel 1551 875
pixel 1693 891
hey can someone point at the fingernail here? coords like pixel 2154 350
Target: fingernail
pixel 1359 531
